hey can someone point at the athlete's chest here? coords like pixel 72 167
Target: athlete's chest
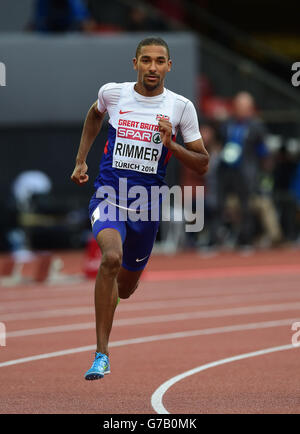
pixel 138 143
pixel 141 115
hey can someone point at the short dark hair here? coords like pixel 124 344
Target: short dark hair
pixel 152 40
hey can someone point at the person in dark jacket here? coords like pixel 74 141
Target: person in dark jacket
pixel 60 16
pixel 243 140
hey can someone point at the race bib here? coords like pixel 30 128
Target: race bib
pixel 137 147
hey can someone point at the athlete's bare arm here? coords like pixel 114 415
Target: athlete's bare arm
pixel 91 129
pixel 194 156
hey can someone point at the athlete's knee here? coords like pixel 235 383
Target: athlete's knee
pixel 111 262
pixel 125 291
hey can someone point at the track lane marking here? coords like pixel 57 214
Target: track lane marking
pixel 87 310
pixel 91 325
pixel 37 292
pixel 221 272
pixel 216 313
pixel 157 396
pixel 33 303
pixel 155 304
pixel 154 338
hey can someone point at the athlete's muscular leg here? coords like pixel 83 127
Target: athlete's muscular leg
pixel 128 282
pixel 106 287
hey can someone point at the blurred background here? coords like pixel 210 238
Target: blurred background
pixel 232 59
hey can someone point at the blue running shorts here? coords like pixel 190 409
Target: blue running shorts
pixel 137 236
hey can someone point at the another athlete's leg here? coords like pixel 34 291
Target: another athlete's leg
pixel 106 287
pixel 128 282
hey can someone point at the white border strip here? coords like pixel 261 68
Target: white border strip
pixel 145 339
pixel 213 299
pixel 65 328
pixel 157 397
pixel 242 310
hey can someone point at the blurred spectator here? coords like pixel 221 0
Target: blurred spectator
pixel 295 189
pixel 24 187
pixel 60 16
pixel 27 184
pixel 295 184
pixel 211 207
pixel 284 193
pixel 140 21
pixel 243 150
pixel 191 178
pixel 262 203
pixel 43 218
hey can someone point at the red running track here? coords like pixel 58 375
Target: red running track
pixel 189 313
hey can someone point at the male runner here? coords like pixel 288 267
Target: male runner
pixel 143 118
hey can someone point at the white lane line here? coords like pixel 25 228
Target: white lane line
pixel 53 313
pixel 51 329
pixel 217 313
pixel 154 338
pixel 42 303
pixel 157 396
pixel 39 301
pixel 212 300
pixel 87 310
pixel 123 322
pixel 155 304
pixel 42 292
pixel 11 293
pixel 222 272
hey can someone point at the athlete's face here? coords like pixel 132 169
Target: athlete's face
pixel 152 65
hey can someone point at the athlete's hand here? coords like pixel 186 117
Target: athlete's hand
pixel 79 175
pixel 165 129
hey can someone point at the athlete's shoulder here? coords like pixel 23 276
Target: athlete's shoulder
pixel 110 87
pixel 113 86
pixel 109 94
pixel 182 106
pixel 185 117
pixel 179 99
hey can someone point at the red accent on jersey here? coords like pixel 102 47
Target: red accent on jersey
pixel 162 117
pixel 105 148
pixel 169 154
pixel 123 113
pixel 133 134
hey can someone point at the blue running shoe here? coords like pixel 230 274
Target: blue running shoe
pixel 99 368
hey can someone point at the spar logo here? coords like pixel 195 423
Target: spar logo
pixel 156 138
pixel 133 134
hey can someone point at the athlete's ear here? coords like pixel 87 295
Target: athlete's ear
pixel 169 65
pixel 134 60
